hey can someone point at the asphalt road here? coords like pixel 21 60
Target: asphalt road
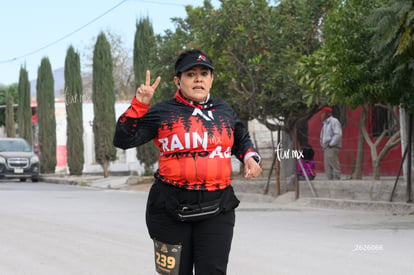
pixel 54 229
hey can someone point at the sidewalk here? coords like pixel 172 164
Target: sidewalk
pixel 94 181
pixel 361 195
pixel 344 194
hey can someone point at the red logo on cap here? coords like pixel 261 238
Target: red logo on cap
pixel 201 57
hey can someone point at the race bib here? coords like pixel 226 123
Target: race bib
pixel 167 258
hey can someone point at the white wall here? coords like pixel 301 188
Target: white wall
pixel 126 159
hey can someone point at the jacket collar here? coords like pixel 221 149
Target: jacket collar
pixel 202 105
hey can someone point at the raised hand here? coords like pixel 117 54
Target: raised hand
pixel 145 92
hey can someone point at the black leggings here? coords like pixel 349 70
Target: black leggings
pixel 205 244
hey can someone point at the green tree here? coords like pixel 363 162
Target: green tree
pixel 103 96
pixel 3 102
pixel 346 71
pixel 361 78
pixel 144 59
pixel 255 46
pixel 73 98
pixel 393 40
pixel 144 50
pixel 24 111
pixel 46 116
pixel 122 66
pixel 4 91
pixel 10 124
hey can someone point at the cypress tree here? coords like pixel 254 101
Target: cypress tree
pixel 3 101
pixel 144 59
pixel 24 112
pixel 144 50
pixel 10 125
pixel 46 116
pixel 73 99
pixel 103 97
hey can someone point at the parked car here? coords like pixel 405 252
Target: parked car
pixel 18 160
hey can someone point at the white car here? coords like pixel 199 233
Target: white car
pixel 18 160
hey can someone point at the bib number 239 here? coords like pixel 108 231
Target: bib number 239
pixel 167 258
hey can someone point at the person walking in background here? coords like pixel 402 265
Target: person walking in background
pixel 331 142
pixel 190 209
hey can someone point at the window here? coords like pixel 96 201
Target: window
pixel 382 119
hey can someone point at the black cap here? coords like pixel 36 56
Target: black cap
pixel 191 60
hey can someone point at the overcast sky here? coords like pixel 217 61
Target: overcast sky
pixel 31 30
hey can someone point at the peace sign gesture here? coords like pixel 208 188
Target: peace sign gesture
pixel 145 92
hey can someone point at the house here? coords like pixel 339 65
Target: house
pixel 377 118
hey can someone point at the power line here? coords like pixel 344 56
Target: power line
pixel 82 27
pixel 65 36
pixel 160 3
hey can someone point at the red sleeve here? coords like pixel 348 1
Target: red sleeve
pixel 136 126
pixel 137 109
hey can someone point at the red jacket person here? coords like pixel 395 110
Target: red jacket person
pixel 190 208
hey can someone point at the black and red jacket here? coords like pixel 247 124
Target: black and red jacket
pixel 196 141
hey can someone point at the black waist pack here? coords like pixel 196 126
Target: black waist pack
pixel 186 205
pixel 200 211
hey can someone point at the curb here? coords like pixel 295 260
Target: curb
pixel 249 194
pixel 58 180
pixel 367 206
